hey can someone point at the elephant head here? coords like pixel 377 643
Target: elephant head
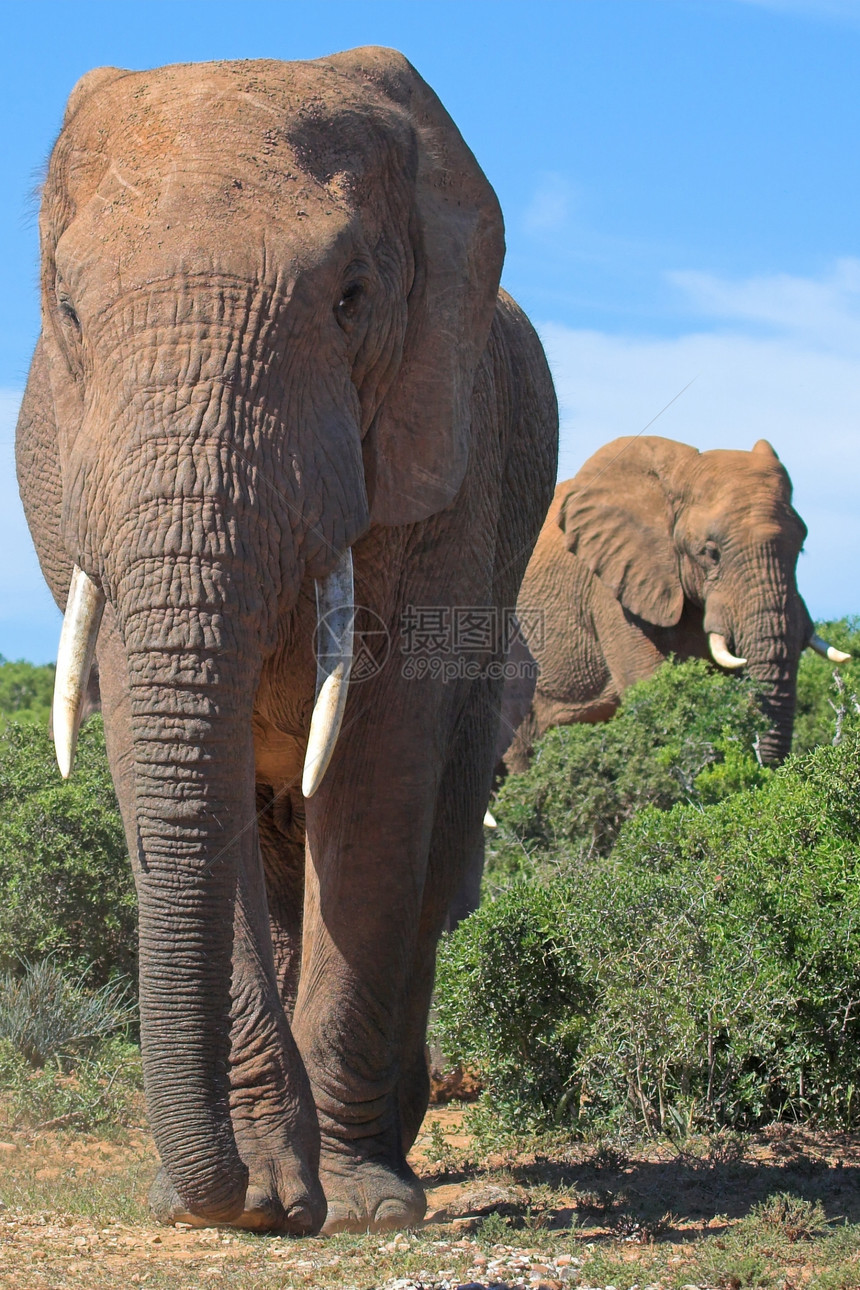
pixel 265 291
pixel 664 526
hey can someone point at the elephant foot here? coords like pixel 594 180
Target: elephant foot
pixel 276 1200
pixel 370 1196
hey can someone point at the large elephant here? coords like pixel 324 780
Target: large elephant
pixel 274 356
pixel 653 549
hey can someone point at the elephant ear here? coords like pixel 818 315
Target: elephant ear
pixel 418 445
pixel 619 516
pixel 88 84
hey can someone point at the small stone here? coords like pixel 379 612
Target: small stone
pixel 155 1240
pixel 183 1227
pixel 79 1242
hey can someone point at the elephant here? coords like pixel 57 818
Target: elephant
pixel 653 549
pixel 278 401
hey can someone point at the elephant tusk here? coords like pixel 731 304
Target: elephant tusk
pixel 827 651
pixel 335 622
pixel 78 637
pixel 721 653
pixel 489 820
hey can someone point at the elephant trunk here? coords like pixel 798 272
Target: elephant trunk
pixel 778 698
pixel 773 650
pixel 757 613
pixel 194 786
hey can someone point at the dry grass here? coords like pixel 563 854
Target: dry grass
pixel 768 1211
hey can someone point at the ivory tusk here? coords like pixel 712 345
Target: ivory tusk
pixel 489 820
pixel 721 653
pixel 335 621
pixel 78 637
pixel 827 651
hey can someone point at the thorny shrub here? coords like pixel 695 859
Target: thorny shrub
pixel 704 975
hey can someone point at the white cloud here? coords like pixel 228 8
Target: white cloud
pixel 822 312
pixel 799 387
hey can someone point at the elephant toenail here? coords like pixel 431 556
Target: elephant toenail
pixel 390 1213
pixel 300 1220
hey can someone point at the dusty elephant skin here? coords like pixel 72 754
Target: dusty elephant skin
pixel 652 549
pixel 272 332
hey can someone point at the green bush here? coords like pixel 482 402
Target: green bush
pixel 513 1002
pixel 26 692
pixel 686 734
pixel 65 882
pixel 817 681
pixel 46 1014
pixel 705 974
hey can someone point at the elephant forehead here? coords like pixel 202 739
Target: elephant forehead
pixel 274 127
pixel 249 169
pixel 743 520
pixel 193 221
pixel 733 470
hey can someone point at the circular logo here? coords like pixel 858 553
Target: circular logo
pixel 371 643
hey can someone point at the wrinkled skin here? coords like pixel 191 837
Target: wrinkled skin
pixel 648 549
pixel 272 330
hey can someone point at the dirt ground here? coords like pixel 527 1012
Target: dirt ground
pixel 74 1215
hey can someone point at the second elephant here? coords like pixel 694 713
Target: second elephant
pixel 653 549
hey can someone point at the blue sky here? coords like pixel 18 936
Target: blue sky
pixel 680 181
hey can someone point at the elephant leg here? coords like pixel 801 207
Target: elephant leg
pixel 369 828
pixel 271 1105
pixel 458 838
pixel 518 756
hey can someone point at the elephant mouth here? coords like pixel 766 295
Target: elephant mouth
pixel 335 618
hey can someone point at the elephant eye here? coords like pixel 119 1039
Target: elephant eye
pixel 67 310
pixel 710 553
pixel 348 305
